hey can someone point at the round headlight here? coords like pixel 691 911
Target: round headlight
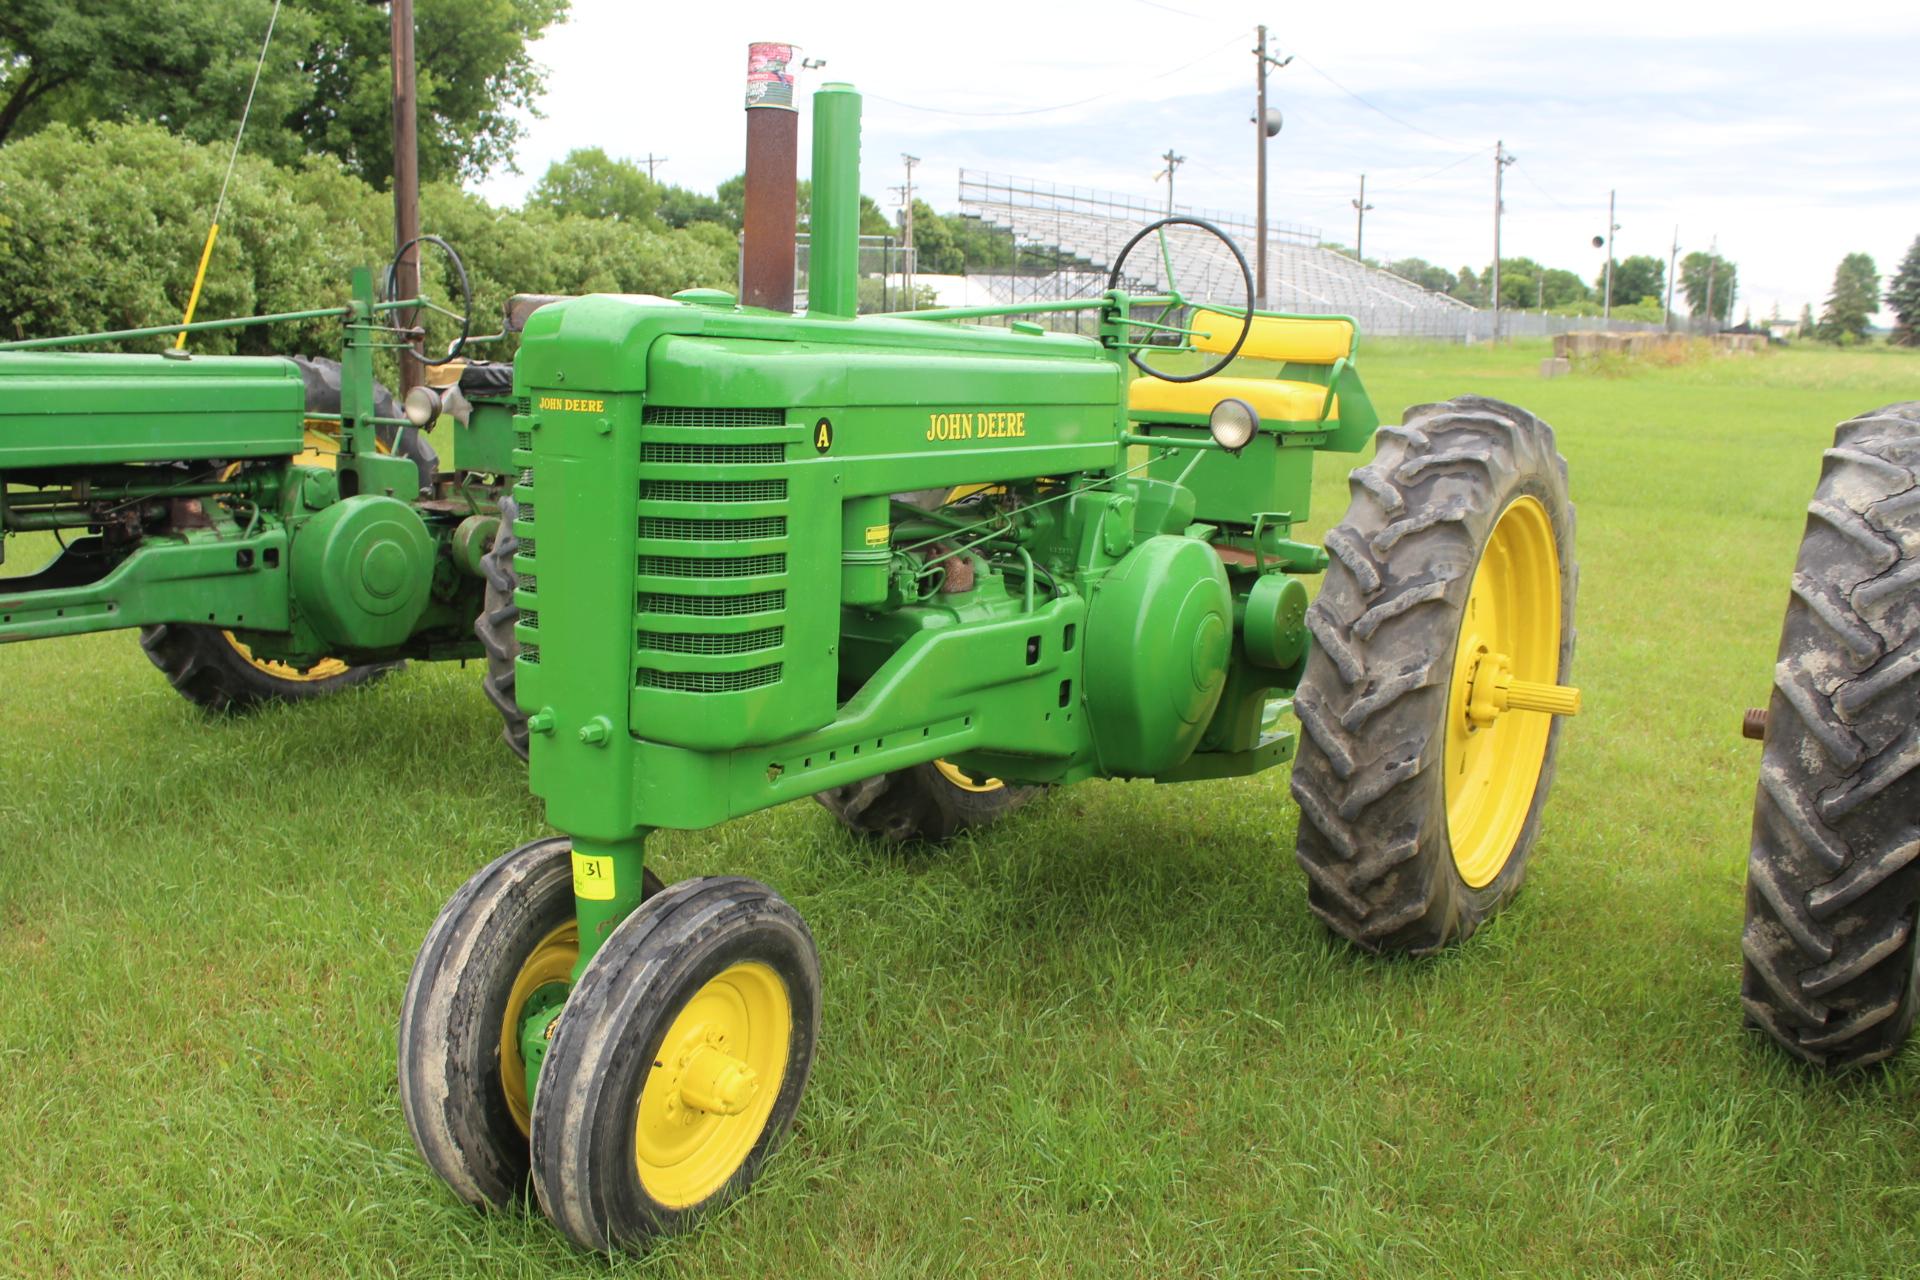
pixel 1232 424
pixel 422 407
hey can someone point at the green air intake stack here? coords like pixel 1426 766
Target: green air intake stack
pixel 834 237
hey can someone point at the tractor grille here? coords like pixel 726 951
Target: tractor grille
pixel 752 530
pixel 739 642
pixel 686 416
pixel 712 455
pixel 710 681
pixel 713 491
pixel 712 606
pixel 712 559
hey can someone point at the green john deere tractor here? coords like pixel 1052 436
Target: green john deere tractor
pixel 725 557
pixel 1832 964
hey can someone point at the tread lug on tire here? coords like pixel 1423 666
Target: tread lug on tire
pixel 920 804
pixel 494 627
pixel 613 1162
pixel 1831 964
pixel 1371 775
pixel 458 1001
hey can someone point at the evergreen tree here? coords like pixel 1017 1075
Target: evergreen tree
pixel 1855 297
pixel 1903 299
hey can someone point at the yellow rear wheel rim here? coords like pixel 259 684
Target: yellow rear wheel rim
pixel 958 777
pixel 712 1085
pixel 551 960
pixel 325 669
pixel 1493 770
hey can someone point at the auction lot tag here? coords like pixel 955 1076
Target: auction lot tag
pixel 592 877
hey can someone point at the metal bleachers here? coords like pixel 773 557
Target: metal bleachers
pixel 1091 228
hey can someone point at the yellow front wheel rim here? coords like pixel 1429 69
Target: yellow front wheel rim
pixel 551 961
pixel 958 777
pixel 713 1084
pixel 1509 631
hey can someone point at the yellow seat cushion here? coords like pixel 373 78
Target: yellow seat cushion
pixel 1274 400
pixel 1303 339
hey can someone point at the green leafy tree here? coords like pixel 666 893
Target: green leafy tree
pixel 1695 271
pixel 1467 288
pixel 118 214
pixel 1807 324
pixel 326 86
pixel 1903 299
pixel 1563 289
pixel 1855 297
pixel 1425 274
pixel 1634 278
pixel 591 184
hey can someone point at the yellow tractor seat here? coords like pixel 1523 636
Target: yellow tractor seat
pixel 1273 399
pixel 1296 339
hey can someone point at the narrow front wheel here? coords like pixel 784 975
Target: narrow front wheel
pixel 677 1064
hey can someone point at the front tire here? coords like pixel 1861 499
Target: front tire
pixel 494 627
pixel 678 1063
pixel 1832 967
pixel 1418 806
pixel 505 940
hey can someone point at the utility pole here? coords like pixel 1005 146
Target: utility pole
pixel 1263 128
pixel 1606 308
pixel 1500 162
pixel 1673 262
pixel 406 183
pixel 1173 162
pixel 1713 269
pixel 653 160
pixel 1360 221
pixel 906 258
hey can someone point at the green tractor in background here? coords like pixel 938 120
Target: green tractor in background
pixel 722 557
pixel 1832 964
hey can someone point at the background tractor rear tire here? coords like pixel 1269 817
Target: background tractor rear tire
pixel 1379 694
pixel 922 804
pixel 1832 967
pixel 207 666
pixel 494 627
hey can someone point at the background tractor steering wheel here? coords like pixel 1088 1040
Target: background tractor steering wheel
pixel 462 317
pixel 1160 326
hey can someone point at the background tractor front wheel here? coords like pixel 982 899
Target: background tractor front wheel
pixel 494 627
pixel 1443 637
pixel 1832 966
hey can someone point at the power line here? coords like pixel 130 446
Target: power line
pixel 1406 124
pixel 1455 164
pixel 1127 87
pixel 1548 194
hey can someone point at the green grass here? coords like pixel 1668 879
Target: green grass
pixel 1106 1038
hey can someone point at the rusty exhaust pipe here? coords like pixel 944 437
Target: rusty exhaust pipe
pixel 773 156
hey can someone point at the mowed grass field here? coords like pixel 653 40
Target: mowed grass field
pixel 1106 1038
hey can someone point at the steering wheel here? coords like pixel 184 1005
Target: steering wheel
pixel 1160 325
pixel 463 317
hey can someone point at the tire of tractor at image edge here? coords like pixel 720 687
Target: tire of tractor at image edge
pixel 1831 964
pixel 677 1064
pixel 209 666
pixel 507 938
pixel 927 803
pixel 1454 562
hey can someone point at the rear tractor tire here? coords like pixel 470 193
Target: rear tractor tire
pixel 1443 638
pixel 927 803
pixel 494 627
pixel 1832 965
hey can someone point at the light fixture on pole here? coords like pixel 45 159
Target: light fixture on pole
pixel 1361 207
pixel 1266 125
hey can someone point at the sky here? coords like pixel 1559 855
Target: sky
pixel 1783 136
